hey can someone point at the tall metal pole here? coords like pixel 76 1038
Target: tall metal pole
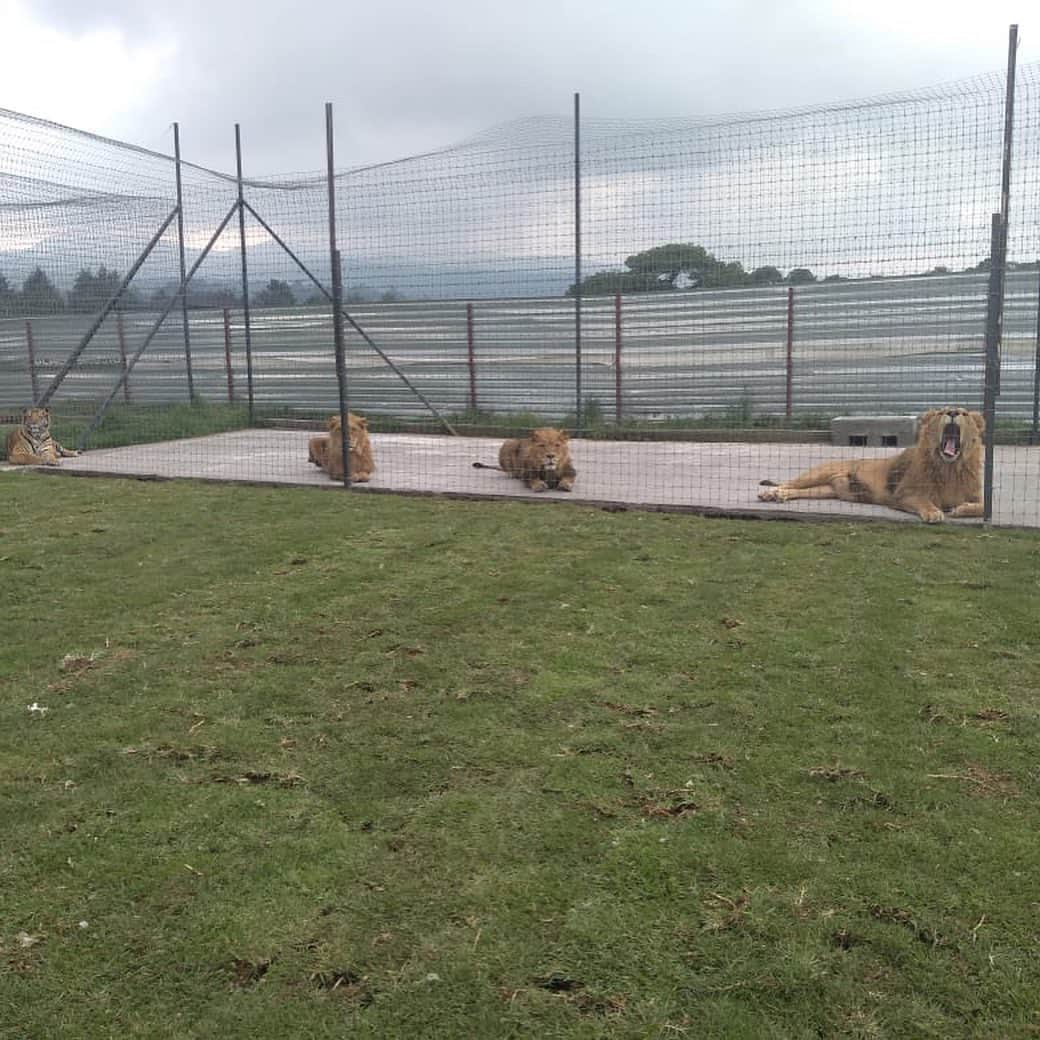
pixel 337 301
pixel 245 273
pixel 577 265
pixel 997 274
pixel 180 248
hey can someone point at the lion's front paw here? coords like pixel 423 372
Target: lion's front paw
pixel 770 494
pixel 932 516
pixel 538 485
pixel 567 484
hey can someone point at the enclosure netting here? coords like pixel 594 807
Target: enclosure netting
pixel 744 281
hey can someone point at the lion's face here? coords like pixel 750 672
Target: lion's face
pixel 37 421
pixel 951 433
pixel 547 449
pixel 357 429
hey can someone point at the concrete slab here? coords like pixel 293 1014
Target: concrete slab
pixel 710 477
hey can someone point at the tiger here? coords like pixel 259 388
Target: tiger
pixel 31 444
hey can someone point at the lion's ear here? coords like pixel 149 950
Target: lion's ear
pixel 925 416
pixel 564 435
pixel 979 420
pixel 363 423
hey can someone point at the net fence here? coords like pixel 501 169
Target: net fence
pixel 700 303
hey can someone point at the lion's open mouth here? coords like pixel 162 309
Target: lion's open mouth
pixel 950 446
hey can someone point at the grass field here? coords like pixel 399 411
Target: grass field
pixel 324 765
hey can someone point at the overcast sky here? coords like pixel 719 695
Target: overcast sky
pixel 406 77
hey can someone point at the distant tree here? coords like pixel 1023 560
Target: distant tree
pixel 8 298
pixel 39 295
pixel 675 266
pixel 159 299
pixel 939 270
pixel 800 276
pixel 835 278
pixel 390 296
pixel 316 299
pixel 90 292
pixel 767 275
pixel 275 294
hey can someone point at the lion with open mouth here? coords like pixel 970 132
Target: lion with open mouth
pixel 941 474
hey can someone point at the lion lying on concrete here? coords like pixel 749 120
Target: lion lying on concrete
pixel 941 473
pixel 327 451
pixel 542 460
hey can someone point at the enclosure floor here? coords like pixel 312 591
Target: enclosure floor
pixel 719 476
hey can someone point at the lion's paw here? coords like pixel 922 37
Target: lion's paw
pixel 932 516
pixel 770 494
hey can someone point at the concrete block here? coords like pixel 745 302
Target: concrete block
pixel 874 431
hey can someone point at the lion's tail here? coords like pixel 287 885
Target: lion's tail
pixel 484 465
pixel 769 483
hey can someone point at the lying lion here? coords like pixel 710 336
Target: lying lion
pixel 327 451
pixel 542 460
pixel 940 474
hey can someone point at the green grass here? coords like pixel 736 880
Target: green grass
pixel 326 765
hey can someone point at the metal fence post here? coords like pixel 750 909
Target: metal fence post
pixel 227 357
pixel 617 358
pixel 577 265
pixel 30 349
pixel 180 254
pixel 245 275
pixel 789 376
pixel 472 363
pixel 337 302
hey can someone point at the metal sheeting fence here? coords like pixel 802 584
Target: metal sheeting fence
pixel 875 345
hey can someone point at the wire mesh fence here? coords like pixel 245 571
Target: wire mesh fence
pixel 727 295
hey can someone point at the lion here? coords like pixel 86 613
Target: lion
pixel 327 452
pixel 940 474
pixel 542 460
pixel 31 444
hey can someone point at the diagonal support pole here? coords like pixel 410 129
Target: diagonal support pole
pixel 125 375
pixel 353 324
pixel 70 361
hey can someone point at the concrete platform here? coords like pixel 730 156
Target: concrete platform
pixel 709 477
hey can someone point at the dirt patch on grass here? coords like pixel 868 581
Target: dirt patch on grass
pixel 983 782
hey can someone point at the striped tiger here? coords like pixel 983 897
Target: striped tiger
pixel 31 444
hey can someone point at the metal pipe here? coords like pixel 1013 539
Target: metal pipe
pixel 245 273
pixel 180 254
pixel 991 386
pixel 577 265
pixel 337 301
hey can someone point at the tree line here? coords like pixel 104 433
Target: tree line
pixel 93 288
pixel 684 265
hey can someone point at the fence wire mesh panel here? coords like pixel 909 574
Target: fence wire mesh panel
pixel 760 294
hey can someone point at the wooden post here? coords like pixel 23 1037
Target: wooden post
pixel 121 340
pixel 472 363
pixel 30 348
pixel 227 357
pixel 617 358
pixel 789 396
